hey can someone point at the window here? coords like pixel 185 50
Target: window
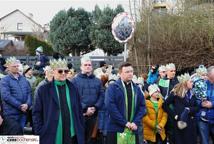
pixel 19 26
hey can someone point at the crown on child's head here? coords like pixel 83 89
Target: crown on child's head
pixel 153 88
pixel 184 77
pixel 201 70
pixel 60 63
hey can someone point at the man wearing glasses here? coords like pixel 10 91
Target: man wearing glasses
pixel 57 113
pixel 91 94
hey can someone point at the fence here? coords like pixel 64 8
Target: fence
pixel 75 60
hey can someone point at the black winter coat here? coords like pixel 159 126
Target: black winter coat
pixel 187 135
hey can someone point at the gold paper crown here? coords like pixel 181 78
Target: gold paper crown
pixel 184 77
pixel 11 60
pixel 60 63
pixel 201 70
pixel 170 66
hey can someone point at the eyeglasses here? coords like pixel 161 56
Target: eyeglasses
pixel 172 71
pixel 87 64
pixel 61 71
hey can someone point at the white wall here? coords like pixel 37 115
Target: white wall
pixel 9 23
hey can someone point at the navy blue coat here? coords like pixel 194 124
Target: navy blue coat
pixel 187 135
pixel 210 97
pixel 15 92
pixel 46 113
pixel 90 90
pixel 115 104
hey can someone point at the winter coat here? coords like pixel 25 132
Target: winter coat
pixel 149 121
pixel 43 59
pixel 152 77
pixel 90 90
pixel 187 135
pixel 46 113
pixel 210 97
pixel 15 92
pixel 116 108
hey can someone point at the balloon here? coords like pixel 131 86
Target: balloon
pixel 123 27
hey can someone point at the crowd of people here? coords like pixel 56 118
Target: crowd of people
pixel 103 106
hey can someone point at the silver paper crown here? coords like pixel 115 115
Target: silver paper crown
pixel 201 70
pixel 162 68
pixel 184 77
pixel 170 66
pixel 11 60
pixel 153 88
pixel 60 63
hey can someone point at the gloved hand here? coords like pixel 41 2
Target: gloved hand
pixel 184 115
pixel 182 123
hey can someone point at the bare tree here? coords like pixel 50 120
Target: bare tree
pixel 185 38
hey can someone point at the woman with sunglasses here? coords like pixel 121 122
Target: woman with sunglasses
pixel 57 113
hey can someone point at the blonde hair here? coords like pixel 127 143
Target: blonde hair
pixel 180 89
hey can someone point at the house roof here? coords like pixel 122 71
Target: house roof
pixel 17 10
pixel 5 43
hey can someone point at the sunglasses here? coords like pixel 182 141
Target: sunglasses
pixel 87 64
pixel 61 71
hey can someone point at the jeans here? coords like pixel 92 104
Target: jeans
pixel 205 129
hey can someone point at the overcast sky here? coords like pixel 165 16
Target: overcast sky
pixel 44 10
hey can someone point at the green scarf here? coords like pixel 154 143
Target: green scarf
pixel 59 127
pixel 155 105
pixel 127 137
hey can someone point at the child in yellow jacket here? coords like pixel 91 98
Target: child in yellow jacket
pixel 155 119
